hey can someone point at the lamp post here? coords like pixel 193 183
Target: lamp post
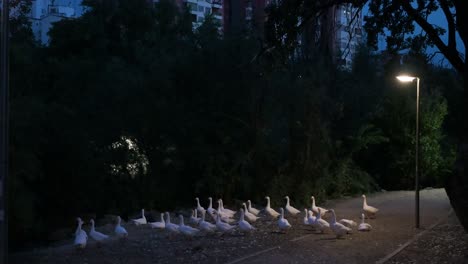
pixel 405 78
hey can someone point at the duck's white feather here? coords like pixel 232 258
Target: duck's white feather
pixel 187 230
pixel 173 228
pixel 289 209
pixel 141 220
pixel 249 216
pixel 80 235
pixel 251 209
pixel 161 224
pixel 98 236
pixel 315 208
pixel 269 211
pixel 283 223
pixel 364 226
pixel 120 230
pixel 320 224
pixel 338 228
pixel 244 225
pixel 206 226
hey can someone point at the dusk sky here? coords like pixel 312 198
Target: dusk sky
pixel 437 18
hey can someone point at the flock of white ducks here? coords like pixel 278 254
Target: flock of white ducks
pixel 224 221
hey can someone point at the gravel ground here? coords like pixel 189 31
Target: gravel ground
pixel 391 228
pixel 445 243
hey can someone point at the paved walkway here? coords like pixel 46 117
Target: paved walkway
pixel 393 227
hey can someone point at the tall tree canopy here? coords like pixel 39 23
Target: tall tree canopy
pixel 399 18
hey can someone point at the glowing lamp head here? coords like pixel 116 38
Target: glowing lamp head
pixel 405 78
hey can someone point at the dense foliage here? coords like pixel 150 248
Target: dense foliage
pixel 129 108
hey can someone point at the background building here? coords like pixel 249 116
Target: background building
pixel 348 32
pixel 45 12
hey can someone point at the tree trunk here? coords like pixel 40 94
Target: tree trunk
pixel 457 183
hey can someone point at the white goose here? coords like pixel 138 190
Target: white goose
pixel 194 219
pixel 80 235
pixel 251 209
pixel 364 226
pixel 98 236
pixel 320 224
pixel 337 228
pixel 347 223
pixel 206 226
pixel 311 218
pixel 161 224
pixel 291 210
pixel 223 227
pixel 244 225
pixel 141 220
pixel 170 226
pixel 199 207
pixel 119 230
pixel 250 217
pixel 210 208
pixel 370 210
pixel 283 223
pixel 226 217
pixel 269 211
pixel 186 230
pixel 306 217
pixel 315 208
pixel 225 210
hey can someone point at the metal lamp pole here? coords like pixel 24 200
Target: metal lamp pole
pixel 405 78
pixel 416 178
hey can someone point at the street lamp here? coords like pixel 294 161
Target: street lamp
pixel 406 78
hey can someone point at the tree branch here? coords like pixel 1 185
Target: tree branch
pixel 452 43
pixel 451 54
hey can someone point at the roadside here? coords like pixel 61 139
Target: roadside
pixel 445 243
pixel 393 226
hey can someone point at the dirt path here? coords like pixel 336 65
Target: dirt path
pixel 392 227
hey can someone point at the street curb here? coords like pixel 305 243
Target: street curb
pixel 409 242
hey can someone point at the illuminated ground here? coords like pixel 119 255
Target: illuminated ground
pixel 392 228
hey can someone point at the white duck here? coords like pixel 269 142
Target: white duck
pixel 170 226
pixel 98 236
pixel 347 223
pixel 161 224
pixel 251 209
pixel 194 219
pixel 283 223
pixel 250 217
pixel 225 210
pixel 306 217
pixel 320 224
pixel 206 226
pixel 338 228
pixel 141 220
pixel 210 208
pixel 315 208
pixel 226 217
pixel 289 209
pixel 119 230
pixel 244 225
pixel 269 211
pixel 80 235
pixel 370 210
pixel 199 207
pixel 186 230
pixel 223 227
pixel 311 218
pixel 364 226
